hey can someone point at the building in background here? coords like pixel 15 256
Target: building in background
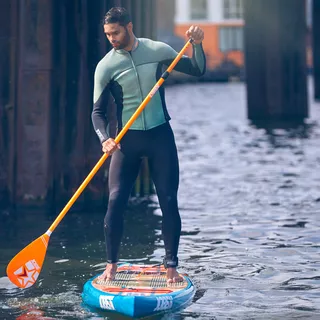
pixel 222 22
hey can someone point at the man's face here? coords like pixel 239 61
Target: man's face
pixel 117 35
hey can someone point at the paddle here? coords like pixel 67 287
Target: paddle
pixel 24 269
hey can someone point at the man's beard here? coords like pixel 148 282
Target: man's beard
pixel 125 41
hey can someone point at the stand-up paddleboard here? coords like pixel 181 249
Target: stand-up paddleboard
pixel 138 291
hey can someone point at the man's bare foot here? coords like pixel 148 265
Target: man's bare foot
pixel 173 276
pixel 110 272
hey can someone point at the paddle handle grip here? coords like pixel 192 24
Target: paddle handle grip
pixel 119 137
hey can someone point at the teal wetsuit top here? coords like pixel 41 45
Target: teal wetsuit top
pixel 130 75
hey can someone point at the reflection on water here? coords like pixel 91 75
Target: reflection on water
pixel 249 199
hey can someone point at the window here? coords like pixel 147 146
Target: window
pixel 233 9
pixel 198 9
pixel 230 38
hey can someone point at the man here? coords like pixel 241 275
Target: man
pixel 129 71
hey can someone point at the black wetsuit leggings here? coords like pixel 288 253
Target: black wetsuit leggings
pixel 159 146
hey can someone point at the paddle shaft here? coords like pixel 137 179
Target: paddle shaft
pixel 118 138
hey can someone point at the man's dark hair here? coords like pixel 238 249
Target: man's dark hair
pixel 117 15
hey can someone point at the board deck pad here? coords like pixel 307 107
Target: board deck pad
pixel 146 280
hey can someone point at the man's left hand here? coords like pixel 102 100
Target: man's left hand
pixel 196 33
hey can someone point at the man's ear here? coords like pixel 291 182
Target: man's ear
pixel 130 26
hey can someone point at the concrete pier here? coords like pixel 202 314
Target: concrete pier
pixel 275 55
pixel 316 48
pixel 48 54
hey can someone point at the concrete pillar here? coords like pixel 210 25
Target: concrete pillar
pixel 33 110
pixel 275 54
pixel 316 48
pixel 4 99
pixel 165 14
pixel 48 53
pixel 165 18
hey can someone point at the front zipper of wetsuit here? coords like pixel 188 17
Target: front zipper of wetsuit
pixel 141 96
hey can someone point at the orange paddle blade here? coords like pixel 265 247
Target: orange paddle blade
pixel 24 268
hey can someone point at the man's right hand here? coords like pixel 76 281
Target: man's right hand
pixel 110 146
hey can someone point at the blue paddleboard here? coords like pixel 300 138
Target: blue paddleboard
pixel 138 291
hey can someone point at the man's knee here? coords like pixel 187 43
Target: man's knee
pixel 117 200
pixel 116 206
pixel 168 203
pixel 170 199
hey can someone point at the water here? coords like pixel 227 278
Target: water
pixel 249 200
